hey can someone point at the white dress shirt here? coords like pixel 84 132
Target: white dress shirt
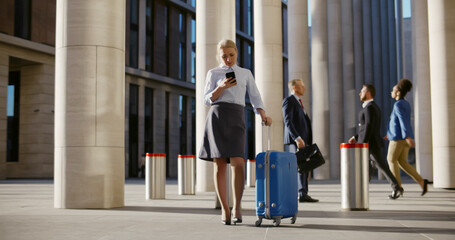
pixel 235 94
pixel 364 104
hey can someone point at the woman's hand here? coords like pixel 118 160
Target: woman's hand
pixel 410 142
pixel 266 120
pixel 386 138
pixel 227 83
pixel 223 85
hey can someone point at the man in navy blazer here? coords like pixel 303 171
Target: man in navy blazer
pixel 369 132
pixel 297 132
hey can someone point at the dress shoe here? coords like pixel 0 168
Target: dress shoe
pixel 236 220
pixel 425 187
pixel 396 193
pixel 307 198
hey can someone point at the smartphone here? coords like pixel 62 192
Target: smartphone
pixel 231 75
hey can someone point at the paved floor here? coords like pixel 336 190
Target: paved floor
pixel 26 212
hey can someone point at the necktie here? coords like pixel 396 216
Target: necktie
pixel 301 104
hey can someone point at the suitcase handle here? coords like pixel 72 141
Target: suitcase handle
pixel 268 137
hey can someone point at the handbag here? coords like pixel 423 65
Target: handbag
pixel 309 158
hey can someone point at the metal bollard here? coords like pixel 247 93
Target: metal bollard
pixel 186 174
pixel 354 176
pixel 155 175
pixel 251 173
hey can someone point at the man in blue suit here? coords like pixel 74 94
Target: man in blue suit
pixel 297 132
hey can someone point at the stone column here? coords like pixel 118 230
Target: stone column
pixel 89 104
pixel 268 57
pixel 298 56
pixel 335 91
pixel 442 68
pixel 422 91
pixel 350 94
pixel 358 48
pixel 319 84
pixel 4 73
pixel 215 21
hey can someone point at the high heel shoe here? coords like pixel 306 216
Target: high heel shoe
pixel 425 187
pixel 396 193
pixel 226 222
pixel 236 220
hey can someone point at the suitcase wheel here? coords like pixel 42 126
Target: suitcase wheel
pixel 293 219
pixel 258 222
pixel 276 222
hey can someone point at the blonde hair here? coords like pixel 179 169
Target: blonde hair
pixel 226 43
pixel 293 82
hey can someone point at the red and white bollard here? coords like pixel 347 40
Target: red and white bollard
pixel 354 176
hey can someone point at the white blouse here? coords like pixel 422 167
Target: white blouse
pixel 235 94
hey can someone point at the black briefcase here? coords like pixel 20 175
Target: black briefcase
pixel 309 158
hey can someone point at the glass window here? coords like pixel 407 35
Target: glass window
pixel 133 139
pixel 149 36
pixel 182 47
pixel 193 50
pixel 166 131
pixel 134 36
pixel 182 124
pixel 22 17
pixel 193 125
pixel 12 109
pixel 148 121
pixel 285 28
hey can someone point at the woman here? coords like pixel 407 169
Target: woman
pixel 400 135
pixel 224 134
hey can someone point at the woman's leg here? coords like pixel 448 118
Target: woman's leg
pixel 238 181
pixel 408 168
pixel 392 158
pixel 220 186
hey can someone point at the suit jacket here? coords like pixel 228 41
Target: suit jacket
pixel 370 126
pixel 296 122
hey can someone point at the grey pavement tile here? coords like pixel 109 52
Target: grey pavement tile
pixel 26 212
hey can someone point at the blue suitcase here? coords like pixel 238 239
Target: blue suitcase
pixel 276 187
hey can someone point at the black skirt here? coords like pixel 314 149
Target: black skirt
pixel 224 134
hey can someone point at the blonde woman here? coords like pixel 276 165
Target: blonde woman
pixel 224 134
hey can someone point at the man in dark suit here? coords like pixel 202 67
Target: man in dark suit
pixel 297 132
pixel 369 127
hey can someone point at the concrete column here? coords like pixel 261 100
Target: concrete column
pixel 359 74
pixel 422 103
pixel 350 94
pixel 215 21
pixel 399 37
pixel 4 73
pixel 89 104
pixel 319 84
pixel 335 91
pixel 298 56
pixel 268 57
pixel 442 68
pixel 368 42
